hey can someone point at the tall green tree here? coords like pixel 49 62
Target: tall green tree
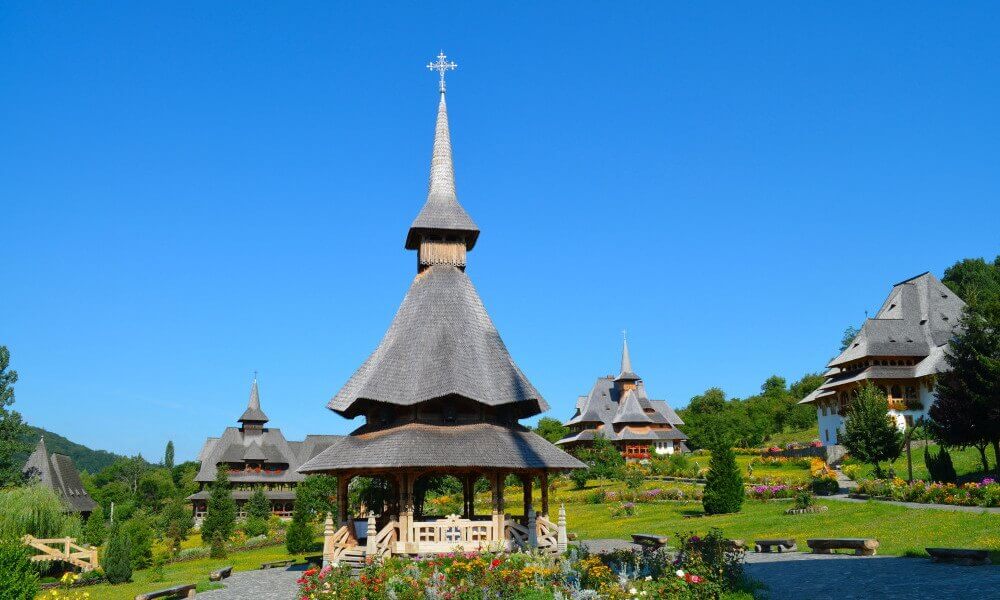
pixel 604 461
pixel 724 491
pixel 975 281
pixel 869 433
pixel 116 560
pixel 967 408
pixel 221 509
pixel 300 535
pixel 96 528
pixel 849 334
pixel 168 455
pixel 12 427
pixel 551 429
pixel 258 512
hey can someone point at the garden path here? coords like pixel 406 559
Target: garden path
pixel 268 584
pixel 844 577
pixel 951 507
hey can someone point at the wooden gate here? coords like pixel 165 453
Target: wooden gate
pixel 64 549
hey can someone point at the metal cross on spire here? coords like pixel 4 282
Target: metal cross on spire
pixel 441 66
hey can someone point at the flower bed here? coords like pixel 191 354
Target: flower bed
pixel 704 568
pixel 771 492
pixel 985 493
pixel 672 494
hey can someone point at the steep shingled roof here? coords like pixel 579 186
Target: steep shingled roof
pixel 442 214
pixel 441 342
pixel 57 471
pixel 917 320
pixel 253 413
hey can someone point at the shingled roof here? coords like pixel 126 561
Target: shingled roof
pixel 441 342
pixel 58 472
pixel 442 214
pixel 917 320
pixel 253 413
pixel 422 445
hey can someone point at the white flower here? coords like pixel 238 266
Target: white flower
pixel 633 591
pixel 649 577
pixel 680 572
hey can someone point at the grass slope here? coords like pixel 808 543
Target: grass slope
pixel 968 464
pixel 900 530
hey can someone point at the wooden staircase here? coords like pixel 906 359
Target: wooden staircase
pixel 353 558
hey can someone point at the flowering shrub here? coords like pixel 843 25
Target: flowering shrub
pixel 625 509
pixel 770 492
pixel 986 493
pixel 824 479
pixel 703 568
pixel 801 462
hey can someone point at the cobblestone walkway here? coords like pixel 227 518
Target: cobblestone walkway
pixel 269 584
pixel 798 575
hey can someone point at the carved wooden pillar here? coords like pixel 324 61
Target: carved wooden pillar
pixel 496 482
pixel 405 505
pixel 562 539
pixel 544 482
pixel 328 531
pixel 469 495
pixel 526 481
pixel 343 499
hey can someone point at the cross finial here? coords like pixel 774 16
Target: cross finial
pixel 441 65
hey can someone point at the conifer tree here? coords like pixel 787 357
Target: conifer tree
pixel 96 528
pixel 724 491
pixel 258 512
pixel 168 455
pixel 869 434
pixel 221 517
pixel 117 559
pixel 218 546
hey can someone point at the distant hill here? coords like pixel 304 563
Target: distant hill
pixel 84 458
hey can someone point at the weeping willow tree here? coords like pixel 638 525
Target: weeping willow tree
pixel 35 510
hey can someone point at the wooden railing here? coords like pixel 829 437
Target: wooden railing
pixel 444 535
pixel 381 543
pixel 66 550
pixel 334 546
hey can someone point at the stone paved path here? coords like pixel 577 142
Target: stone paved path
pixel 799 575
pixel 971 509
pixel 269 584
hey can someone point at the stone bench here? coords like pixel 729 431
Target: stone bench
pixel 861 546
pixel 780 545
pixel 178 591
pixel 961 556
pixel 277 564
pixel 649 540
pixel 220 574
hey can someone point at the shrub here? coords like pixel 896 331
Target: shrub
pixel 258 511
pixel 96 528
pixel 156 573
pixel 633 476
pixel 580 478
pixel 117 560
pixel 622 509
pixel 940 467
pixel 299 535
pixel 803 499
pixel 851 471
pixel 35 510
pixel 192 553
pixel 218 546
pixel 724 491
pixel 221 509
pixel 140 539
pixel 18 578
pixel 825 486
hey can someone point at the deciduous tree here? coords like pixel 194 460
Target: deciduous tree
pixel 12 428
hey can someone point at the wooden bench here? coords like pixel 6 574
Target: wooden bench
pixel 178 591
pixel 648 540
pixel 220 574
pixel 961 556
pixel 781 545
pixel 861 546
pixel 277 564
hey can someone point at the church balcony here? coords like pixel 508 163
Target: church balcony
pixel 905 404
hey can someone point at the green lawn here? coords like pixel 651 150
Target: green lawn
pixel 803 436
pixel 195 571
pixel 967 461
pixel 900 530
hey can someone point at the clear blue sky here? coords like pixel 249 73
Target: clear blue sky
pixel 193 191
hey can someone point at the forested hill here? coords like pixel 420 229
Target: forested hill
pixel 84 458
